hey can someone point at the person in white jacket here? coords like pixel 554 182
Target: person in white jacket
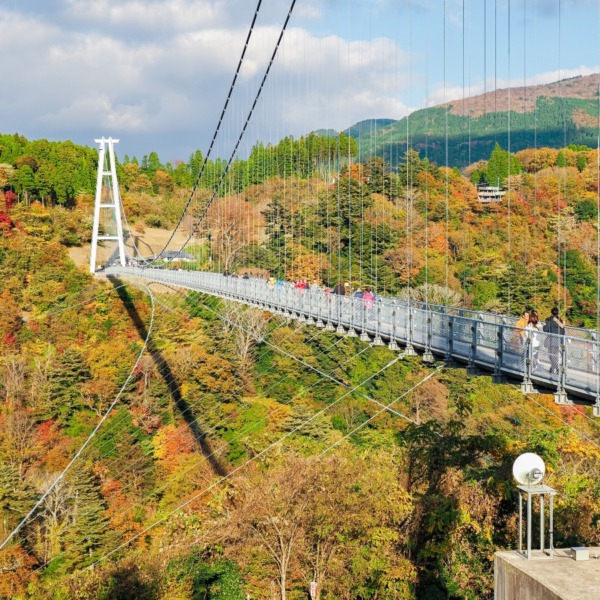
pixel 533 328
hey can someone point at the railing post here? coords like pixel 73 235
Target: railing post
pixel 329 326
pixel 309 317
pixel 377 341
pixel 393 344
pixel 450 346
pixel 410 349
pixel 472 367
pixel 364 336
pixel 324 298
pixel 409 330
pixel 340 328
pixel 527 385
pixel 560 396
pixel 352 329
pixel 428 354
pixel 497 377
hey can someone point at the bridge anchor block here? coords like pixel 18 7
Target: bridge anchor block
pixel 560 397
pixel 409 350
pixel 527 387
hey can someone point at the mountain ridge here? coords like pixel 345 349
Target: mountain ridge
pixel 555 114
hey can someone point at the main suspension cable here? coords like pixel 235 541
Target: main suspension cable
pixel 216 133
pixel 217 187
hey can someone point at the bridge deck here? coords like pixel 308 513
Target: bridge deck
pixel 563 364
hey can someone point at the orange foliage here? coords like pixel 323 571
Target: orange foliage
pixel 234 225
pixel 15 566
pixel 405 266
pixel 10 318
pixel 172 443
pixel 357 172
pixel 536 159
pixel 310 267
pixel 47 433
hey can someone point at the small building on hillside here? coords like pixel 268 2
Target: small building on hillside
pixel 489 194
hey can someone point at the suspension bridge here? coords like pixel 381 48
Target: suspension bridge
pixel 565 365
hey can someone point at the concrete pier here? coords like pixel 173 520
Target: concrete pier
pixel 543 578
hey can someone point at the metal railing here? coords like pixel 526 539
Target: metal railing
pixel 566 364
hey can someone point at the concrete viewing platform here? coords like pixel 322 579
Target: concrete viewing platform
pixel 544 578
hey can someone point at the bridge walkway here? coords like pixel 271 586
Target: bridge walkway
pixel 565 365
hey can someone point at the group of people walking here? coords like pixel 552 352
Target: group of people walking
pixel 530 326
pixel 366 297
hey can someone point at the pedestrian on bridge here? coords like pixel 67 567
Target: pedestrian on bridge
pixel 339 289
pixel 522 322
pixel 533 329
pixel 555 326
pixel 368 298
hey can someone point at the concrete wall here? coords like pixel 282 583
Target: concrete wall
pixel 511 582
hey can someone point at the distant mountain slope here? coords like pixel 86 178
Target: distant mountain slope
pixel 555 115
pixel 369 127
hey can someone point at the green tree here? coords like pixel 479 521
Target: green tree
pixel 561 160
pixel 151 164
pixel 501 165
pixel 64 378
pixel 521 286
pixel 88 532
pixel 581 282
pixel 23 181
pixel 586 210
pixel 16 499
pixel 410 167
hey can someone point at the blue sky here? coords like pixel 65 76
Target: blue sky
pixel 155 73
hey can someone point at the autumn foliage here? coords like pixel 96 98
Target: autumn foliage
pixel 230 464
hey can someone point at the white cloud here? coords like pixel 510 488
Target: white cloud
pixel 169 15
pixel 100 109
pixel 157 71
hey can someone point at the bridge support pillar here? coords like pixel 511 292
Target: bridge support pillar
pixel 108 201
pixel 378 341
pixel 596 410
pixel 472 369
pixel 560 397
pixel 410 350
pixel 428 357
pixel 527 387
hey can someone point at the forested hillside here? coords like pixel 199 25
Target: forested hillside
pixel 552 115
pixel 246 454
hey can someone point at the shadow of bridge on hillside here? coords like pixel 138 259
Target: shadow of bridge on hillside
pixel 200 437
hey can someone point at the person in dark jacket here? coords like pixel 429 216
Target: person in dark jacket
pixel 339 289
pixel 554 325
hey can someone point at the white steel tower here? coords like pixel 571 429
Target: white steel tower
pixel 109 200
